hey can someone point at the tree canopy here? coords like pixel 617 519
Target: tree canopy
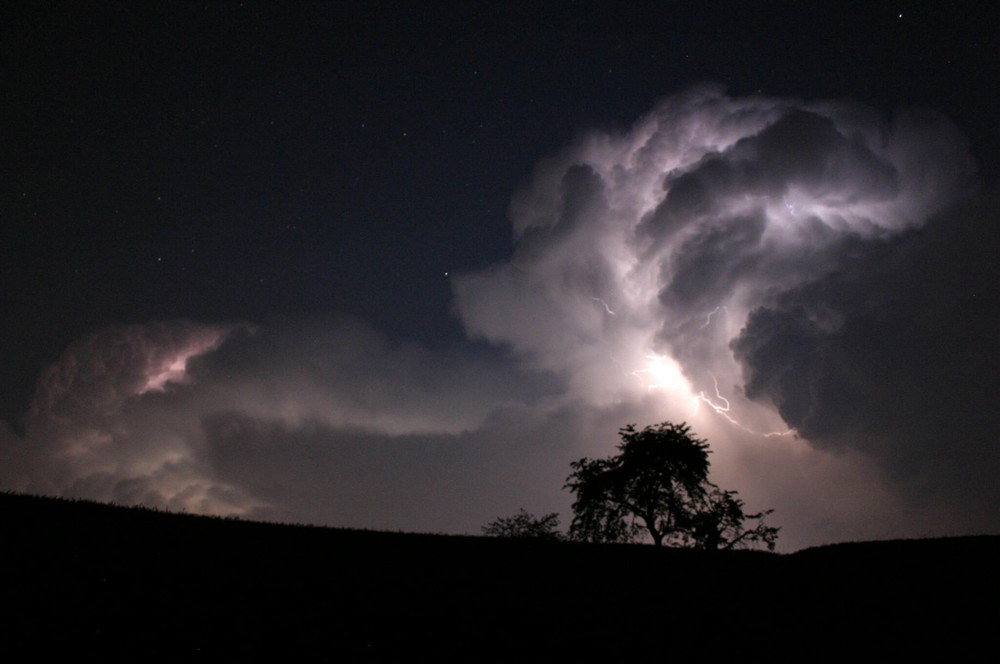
pixel 658 485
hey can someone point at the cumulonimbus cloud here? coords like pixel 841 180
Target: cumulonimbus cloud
pixel 812 285
pixel 811 260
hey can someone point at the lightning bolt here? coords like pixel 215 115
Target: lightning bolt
pixel 606 307
pixel 708 319
pixel 719 408
pixel 789 206
pixel 722 409
pixel 659 371
pixel 661 374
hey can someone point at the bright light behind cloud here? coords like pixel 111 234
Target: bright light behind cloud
pixel 760 261
pixel 785 276
pixel 172 367
pixel 651 248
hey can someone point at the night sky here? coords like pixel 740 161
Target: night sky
pixel 396 265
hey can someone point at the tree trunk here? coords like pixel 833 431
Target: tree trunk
pixel 651 527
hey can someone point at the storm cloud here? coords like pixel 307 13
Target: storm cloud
pixel 812 260
pixel 810 284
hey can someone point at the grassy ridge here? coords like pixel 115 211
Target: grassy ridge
pixel 87 577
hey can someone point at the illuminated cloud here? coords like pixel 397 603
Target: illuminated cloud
pixel 813 261
pixel 321 420
pixel 808 284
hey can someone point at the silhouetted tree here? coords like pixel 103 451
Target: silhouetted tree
pixel 658 484
pixel 718 523
pixel 525 525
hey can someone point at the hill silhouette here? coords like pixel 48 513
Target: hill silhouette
pixel 85 577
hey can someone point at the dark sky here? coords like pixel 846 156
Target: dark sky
pixel 320 175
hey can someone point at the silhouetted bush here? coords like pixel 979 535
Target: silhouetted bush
pixel 525 525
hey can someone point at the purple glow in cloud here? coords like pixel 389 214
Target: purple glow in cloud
pixel 753 266
pixel 709 207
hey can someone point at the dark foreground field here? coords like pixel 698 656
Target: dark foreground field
pixel 83 577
